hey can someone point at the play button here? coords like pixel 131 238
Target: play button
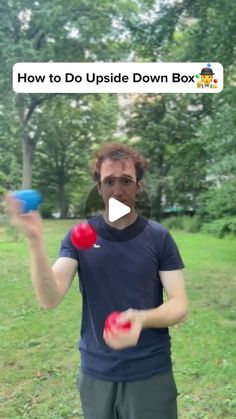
pixel 94 213
pixel 116 209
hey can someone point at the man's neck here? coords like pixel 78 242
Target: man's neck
pixel 122 222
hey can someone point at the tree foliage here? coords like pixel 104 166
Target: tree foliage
pixel 188 138
pixel 50 30
pixel 71 130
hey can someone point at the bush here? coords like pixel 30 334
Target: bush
pixel 221 228
pixel 191 224
pixel 186 223
pixel 173 223
pixel 46 209
pixel 218 202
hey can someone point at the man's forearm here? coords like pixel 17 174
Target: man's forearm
pixel 43 280
pixel 168 314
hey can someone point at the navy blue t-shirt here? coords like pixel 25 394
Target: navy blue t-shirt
pixel 122 271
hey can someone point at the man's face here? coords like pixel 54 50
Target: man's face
pixel 206 78
pixel 118 180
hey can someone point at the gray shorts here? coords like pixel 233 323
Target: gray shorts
pixel 152 398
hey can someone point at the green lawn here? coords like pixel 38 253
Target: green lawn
pixel 38 349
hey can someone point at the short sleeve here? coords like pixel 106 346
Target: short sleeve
pixel 67 249
pixel 171 259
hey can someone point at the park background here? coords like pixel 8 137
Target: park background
pixel 47 141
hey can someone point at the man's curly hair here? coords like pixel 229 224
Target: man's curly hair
pixel 118 152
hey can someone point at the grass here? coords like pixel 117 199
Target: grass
pixel 204 347
pixel 39 356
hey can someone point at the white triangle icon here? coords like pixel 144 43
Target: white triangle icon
pixel 116 209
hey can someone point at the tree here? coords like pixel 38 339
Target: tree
pixel 49 30
pixel 177 158
pixel 194 134
pixel 219 129
pixel 187 31
pixel 10 155
pixel 70 131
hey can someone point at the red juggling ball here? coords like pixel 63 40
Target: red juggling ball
pixel 83 236
pixel 111 322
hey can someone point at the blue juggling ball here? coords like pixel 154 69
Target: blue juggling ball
pixel 31 199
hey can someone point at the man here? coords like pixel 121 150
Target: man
pixel 125 374
pixel 207 79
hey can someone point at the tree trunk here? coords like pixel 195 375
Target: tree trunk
pixel 158 203
pixel 62 201
pixel 27 149
pixel 27 143
pixel 159 190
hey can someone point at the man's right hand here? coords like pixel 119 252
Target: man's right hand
pixel 50 284
pixel 30 224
